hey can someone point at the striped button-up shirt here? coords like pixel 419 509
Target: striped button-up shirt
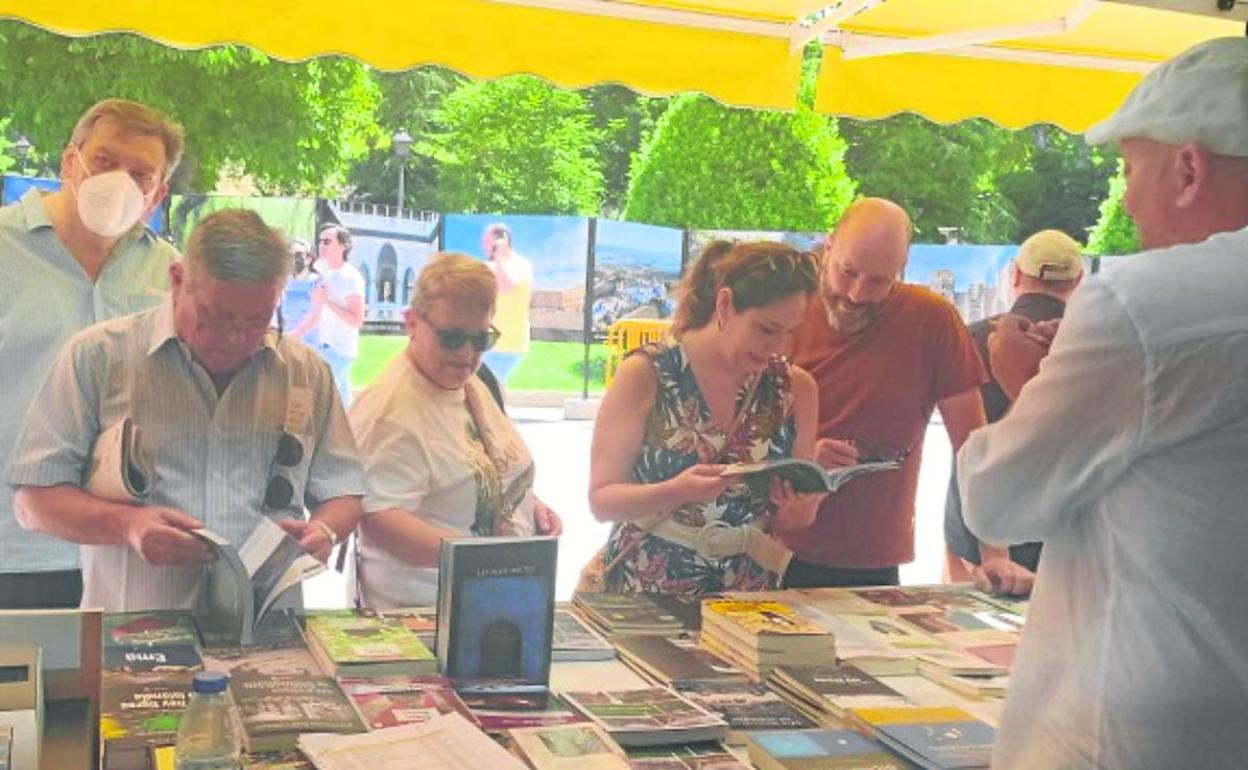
pixel 45 297
pixel 212 454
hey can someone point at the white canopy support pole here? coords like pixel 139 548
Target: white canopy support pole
pixel 844 11
pixel 847 40
pixel 976 37
pixel 653 15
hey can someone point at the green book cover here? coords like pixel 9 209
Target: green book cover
pixel 357 639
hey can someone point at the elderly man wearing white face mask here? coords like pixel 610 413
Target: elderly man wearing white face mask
pixel 69 259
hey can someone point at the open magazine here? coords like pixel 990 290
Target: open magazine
pixel 807 476
pixel 244 583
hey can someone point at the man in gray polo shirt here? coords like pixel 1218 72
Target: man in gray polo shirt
pixel 238 422
pixel 69 259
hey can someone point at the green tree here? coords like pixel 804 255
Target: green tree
pixel 711 166
pixel 942 175
pixel 1058 182
pixel 624 120
pixel 1115 232
pixel 517 145
pixel 289 127
pixel 410 100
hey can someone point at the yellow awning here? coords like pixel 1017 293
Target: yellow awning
pixel 1016 62
pixel 1006 60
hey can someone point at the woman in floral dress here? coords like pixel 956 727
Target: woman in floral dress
pixel 716 392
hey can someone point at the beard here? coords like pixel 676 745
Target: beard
pixel 848 318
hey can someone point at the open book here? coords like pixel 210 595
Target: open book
pixel 119 471
pixel 243 584
pixel 806 476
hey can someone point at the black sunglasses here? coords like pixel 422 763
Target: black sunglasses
pixel 454 339
pixel 279 492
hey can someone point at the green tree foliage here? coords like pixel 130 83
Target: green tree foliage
pixel 289 127
pixel 624 119
pixel 941 175
pixel 711 166
pixel 518 145
pixel 1058 182
pixel 1115 233
pixel 410 101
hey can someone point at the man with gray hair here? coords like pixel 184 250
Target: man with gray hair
pixel 1126 453
pixel 69 259
pixel 238 423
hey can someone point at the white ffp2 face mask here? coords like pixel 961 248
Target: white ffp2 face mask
pixel 110 203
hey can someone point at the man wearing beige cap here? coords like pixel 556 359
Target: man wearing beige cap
pixel 1126 454
pixel 1044 273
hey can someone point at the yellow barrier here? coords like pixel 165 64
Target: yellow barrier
pixel 627 335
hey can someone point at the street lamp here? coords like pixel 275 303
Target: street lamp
pixel 402 143
pixel 22 147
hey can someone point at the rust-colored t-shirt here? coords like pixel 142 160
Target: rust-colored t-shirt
pixel 879 389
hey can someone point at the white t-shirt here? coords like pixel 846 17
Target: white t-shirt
pixel 340 336
pixel 1126 455
pixel 419 447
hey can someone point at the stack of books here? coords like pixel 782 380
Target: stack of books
pixel 932 737
pixel 759 635
pixel 576 641
pixel 637 614
pixel 827 693
pixel 672 662
pixel 650 717
pixel 817 749
pixel 346 643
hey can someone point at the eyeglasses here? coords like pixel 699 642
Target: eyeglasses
pixel 279 492
pixel 454 339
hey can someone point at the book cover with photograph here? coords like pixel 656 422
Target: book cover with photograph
pixel 649 717
pixel 568 747
pixel 820 750
pixel 745 706
pixel 400 700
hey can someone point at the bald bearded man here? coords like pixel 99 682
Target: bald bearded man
pixel 884 354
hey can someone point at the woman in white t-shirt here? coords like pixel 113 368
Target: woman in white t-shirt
pixel 441 458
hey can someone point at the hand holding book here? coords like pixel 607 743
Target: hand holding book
pixel 806 477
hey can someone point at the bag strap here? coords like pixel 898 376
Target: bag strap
pixel 720 456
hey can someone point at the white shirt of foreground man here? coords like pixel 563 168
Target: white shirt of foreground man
pixel 1126 456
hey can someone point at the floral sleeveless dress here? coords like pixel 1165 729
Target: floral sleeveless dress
pixel 680 433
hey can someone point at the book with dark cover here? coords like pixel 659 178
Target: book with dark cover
pixel 275 710
pixel 151 627
pixel 153 659
pixel 669 662
pixel 836 688
pixel 707 755
pixel 142 708
pixel 652 716
pixel 745 706
pixel 281 692
pixel 497 712
pixel 401 700
pixel 820 750
pixel 576 641
pixel 638 614
pixel 496 605
pixel 934 737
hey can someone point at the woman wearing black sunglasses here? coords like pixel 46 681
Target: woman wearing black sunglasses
pixel 441 458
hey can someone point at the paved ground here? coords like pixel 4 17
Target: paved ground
pixel 561 449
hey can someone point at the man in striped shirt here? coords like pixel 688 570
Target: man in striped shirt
pixel 239 423
pixel 69 259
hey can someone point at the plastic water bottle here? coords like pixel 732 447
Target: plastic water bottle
pixel 208 738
